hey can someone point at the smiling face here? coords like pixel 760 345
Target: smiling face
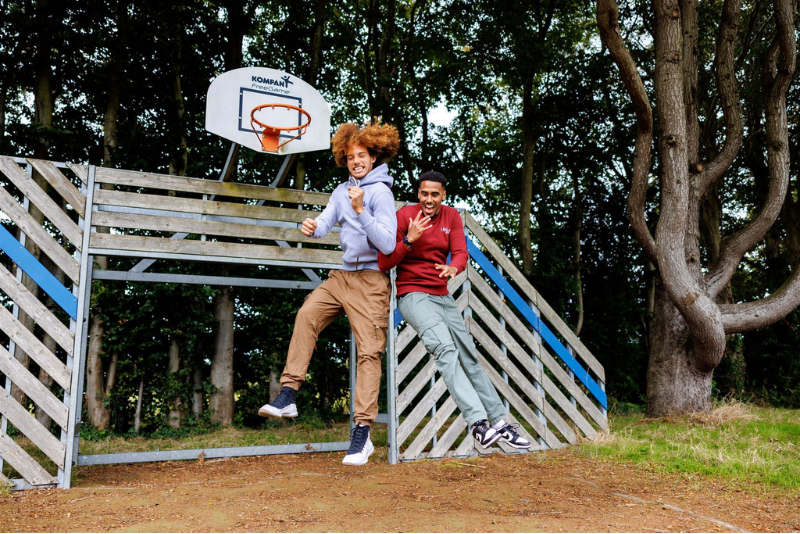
pixel 430 196
pixel 359 161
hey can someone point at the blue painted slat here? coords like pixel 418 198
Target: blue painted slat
pixel 398 317
pixel 43 278
pixel 548 336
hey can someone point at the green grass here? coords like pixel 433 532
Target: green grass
pixel 733 441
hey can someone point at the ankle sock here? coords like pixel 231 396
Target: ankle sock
pixel 498 425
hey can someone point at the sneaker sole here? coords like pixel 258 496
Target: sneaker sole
pixel 515 445
pixel 270 411
pixel 491 442
pixel 370 449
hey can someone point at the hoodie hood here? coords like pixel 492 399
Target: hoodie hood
pixel 379 174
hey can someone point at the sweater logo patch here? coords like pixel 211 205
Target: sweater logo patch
pixel 446 230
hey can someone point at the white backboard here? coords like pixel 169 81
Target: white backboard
pixel 233 95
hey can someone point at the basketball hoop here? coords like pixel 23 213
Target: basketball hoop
pixel 270 135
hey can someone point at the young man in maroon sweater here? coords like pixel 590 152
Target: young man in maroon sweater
pixel 426 234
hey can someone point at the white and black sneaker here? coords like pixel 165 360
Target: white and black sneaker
pixel 284 405
pixel 484 434
pixel 360 446
pixel 508 433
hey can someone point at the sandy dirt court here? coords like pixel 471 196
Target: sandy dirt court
pixel 553 491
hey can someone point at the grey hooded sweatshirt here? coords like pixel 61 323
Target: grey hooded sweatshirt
pixel 364 235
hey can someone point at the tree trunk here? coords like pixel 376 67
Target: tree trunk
pixel 274 384
pixel 674 384
pixel 176 410
pixel 221 400
pixel 197 391
pixel 526 195
pixel 137 417
pixel 99 414
pixel 578 215
pixel 180 157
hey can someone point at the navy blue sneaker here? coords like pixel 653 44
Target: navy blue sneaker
pixel 284 405
pixel 360 446
pixel 484 434
pixel 508 434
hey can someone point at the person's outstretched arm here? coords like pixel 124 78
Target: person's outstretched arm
pixel 381 226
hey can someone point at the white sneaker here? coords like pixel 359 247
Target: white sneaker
pixel 360 446
pixel 284 405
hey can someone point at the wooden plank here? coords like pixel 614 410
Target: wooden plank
pixel 81 171
pixel 39 235
pixel 420 411
pixel 449 437
pixel 202 207
pixel 32 429
pixel 519 379
pixel 521 382
pixel 429 430
pixel 409 362
pixel 41 200
pixel 210 228
pixel 26 466
pixel 404 338
pixel 527 337
pixel 33 388
pixel 34 348
pixel 208 187
pixel 515 400
pixel 415 386
pixel 466 446
pixel 213 248
pixel 5 481
pixel 38 311
pixel 61 184
pixel 547 312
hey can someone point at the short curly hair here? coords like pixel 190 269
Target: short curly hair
pixel 380 140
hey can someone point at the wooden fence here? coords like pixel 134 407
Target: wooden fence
pixel 555 395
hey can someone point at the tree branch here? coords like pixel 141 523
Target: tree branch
pixel 729 96
pixel 608 22
pixel 763 312
pixel 778 68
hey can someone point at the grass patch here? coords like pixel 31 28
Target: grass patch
pixel 734 440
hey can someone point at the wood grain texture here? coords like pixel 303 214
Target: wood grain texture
pixel 409 362
pixel 547 312
pixel 34 348
pixel 36 232
pixel 210 228
pixel 32 429
pixel 446 441
pixel 429 430
pixel 415 386
pixel 26 466
pixel 61 184
pixel 41 200
pixel 208 187
pixel 81 171
pixel 213 248
pixel 34 308
pixel 33 388
pixel 420 411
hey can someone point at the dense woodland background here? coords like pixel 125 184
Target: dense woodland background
pixel 539 146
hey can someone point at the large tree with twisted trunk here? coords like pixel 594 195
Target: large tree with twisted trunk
pixel 693 310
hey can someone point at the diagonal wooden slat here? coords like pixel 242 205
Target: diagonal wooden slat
pixel 410 362
pixel 420 411
pixel 61 184
pixel 26 466
pixel 5 481
pixel 415 386
pixel 547 312
pixel 34 308
pixel 404 338
pixel 33 388
pixel 32 429
pixel 514 399
pixel 527 337
pixel 429 430
pixel 39 235
pixel 34 348
pixel 41 200
pixel 81 171
pixel 522 357
pixel 466 447
pixel 444 443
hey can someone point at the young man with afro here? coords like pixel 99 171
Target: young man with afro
pixel 363 207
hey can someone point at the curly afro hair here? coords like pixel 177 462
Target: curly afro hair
pixel 380 140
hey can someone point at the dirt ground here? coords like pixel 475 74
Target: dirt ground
pixel 554 491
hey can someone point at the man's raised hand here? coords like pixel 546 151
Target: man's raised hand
pixel 417 226
pixel 356 195
pixel 309 227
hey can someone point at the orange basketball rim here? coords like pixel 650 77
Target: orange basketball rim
pixel 270 135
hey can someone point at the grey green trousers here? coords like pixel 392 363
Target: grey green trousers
pixel 441 329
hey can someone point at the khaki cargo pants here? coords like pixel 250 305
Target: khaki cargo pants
pixel 364 296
